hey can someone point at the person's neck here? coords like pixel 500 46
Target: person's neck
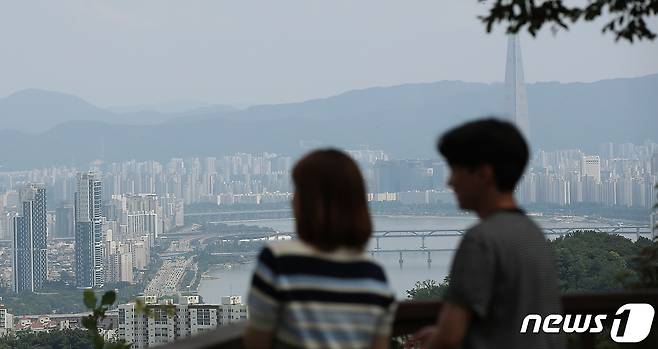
pixel 496 201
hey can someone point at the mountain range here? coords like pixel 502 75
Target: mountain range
pixel 42 128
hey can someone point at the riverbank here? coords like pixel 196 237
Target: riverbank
pixel 416 265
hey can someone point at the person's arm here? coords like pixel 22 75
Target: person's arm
pixel 257 339
pixel 468 296
pixel 264 303
pixel 381 342
pixel 382 338
pixel 451 327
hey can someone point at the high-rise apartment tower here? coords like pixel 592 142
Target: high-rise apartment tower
pixel 30 233
pixel 88 232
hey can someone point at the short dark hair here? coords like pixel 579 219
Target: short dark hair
pixel 487 141
pixel 330 199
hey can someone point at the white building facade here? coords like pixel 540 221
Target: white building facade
pixel 167 322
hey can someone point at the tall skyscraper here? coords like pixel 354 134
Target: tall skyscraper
pixel 516 103
pixel 88 232
pixel 30 232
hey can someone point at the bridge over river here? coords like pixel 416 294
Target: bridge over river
pixel 423 235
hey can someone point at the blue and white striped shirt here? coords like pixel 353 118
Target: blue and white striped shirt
pixel 315 299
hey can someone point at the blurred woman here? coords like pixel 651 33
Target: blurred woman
pixel 322 291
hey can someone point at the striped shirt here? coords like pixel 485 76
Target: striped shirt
pixel 314 299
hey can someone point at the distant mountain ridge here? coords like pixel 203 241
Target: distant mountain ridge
pixel 403 120
pixel 35 111
pixel 173 108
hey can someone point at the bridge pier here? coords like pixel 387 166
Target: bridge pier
pixel 377 247
pixel 401 261
pixel 429 260
pixel 422 243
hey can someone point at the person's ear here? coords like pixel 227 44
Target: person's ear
pixel 486 174
pixel 450 177
pixel 295 204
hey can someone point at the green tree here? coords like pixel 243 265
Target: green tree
pixel 628 17
pixel 64 301
pixel 428 290
pixel 64 339
pixel 98 310
pixel 644 266
pixel 592 261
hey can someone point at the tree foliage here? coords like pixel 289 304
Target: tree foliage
pixel 628 17
pixel 644 268
pixel 63 300
pixel 43 303
pixel 64 339
pixel 98 310
pixel 428 290
pixel 585 261
pixel 591 261
pixel 645 264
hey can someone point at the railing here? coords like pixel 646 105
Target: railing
pixel 411 316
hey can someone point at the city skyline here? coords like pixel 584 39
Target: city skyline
pixel 192 180
pixel 121 209
pixel 136 204
pixel 146 182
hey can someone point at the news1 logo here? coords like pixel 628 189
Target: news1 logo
pixel 630 324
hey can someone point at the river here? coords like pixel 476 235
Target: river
pixel 235 280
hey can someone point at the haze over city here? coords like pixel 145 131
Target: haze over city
pixel 149 147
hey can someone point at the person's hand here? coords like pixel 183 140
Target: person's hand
pixel 421 337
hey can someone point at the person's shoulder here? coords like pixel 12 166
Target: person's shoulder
pixel 503 226
pixel 299 255
pixel 505 219
pixel 491 227
pixel 287 247
pixel 298 248
pixel 476 231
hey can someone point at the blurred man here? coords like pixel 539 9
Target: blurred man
pixel 503 269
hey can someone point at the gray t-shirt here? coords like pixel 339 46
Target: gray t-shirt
pixel 504 270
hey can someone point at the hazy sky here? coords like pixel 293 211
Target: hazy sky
pixel 124 52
